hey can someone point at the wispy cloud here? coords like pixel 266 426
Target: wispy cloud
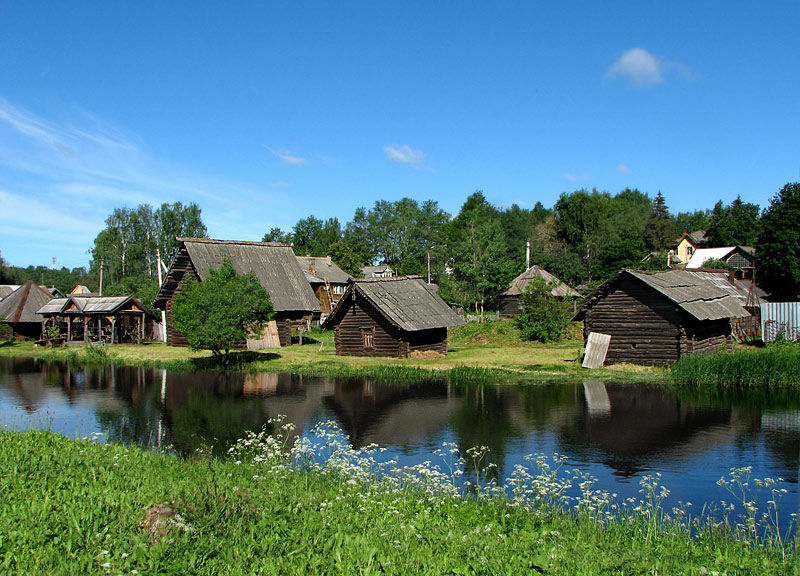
pixel 639 67
pixel 577 178
pixel 405 155
pixel 286 156
pixel 623 169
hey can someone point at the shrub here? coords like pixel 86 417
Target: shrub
pixel 544 318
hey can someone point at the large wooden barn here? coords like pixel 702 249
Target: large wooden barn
pixel 273 263
pixel 390 317
pixel 655 318
pixel 508 301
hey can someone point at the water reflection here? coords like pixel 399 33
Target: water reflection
pixel 615 431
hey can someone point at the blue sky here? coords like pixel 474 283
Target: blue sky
pixel 265 113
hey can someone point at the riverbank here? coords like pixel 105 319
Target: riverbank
pixel 76 507
pixel 475 353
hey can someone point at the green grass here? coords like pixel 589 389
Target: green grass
pixel 774 368
pixel 74 507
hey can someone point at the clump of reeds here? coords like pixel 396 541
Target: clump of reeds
pixel 775 367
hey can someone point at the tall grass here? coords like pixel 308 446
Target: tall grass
pixel 776 367
pixel 319 507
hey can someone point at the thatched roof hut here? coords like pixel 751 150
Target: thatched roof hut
pixel 508 301
pixel 391 317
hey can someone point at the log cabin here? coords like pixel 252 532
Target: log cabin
pixel 327 280
pixel 273 263
pixel 508 301
pixel 655 318
pixel 390 317
pixel 19 310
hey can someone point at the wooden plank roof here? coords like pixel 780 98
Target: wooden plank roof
pixel 519 284
pixel 93 306
pixel 691 292
pixel 273 263
pixel 24 302
pixel 406 301
pixel 319 270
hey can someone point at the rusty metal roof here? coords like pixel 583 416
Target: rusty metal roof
pixel 406 301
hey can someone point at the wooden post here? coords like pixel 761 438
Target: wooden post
pixel 69 329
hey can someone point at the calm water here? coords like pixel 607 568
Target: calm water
pixel 616 432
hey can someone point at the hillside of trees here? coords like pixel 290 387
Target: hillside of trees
pixel 587 236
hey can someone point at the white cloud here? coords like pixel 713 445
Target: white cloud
pixel 576 178
pixel 287 157
pixel 623 169
pixel 639 67
pixel 404 155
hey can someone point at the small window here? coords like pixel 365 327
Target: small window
pixel 368 336
pixel 338 289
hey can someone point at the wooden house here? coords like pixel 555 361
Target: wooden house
pixel 390 317
pixel 380 271
pixel 273 263
pixel 109 319
pixel 655 318
pixel 508 301
pixel 19 310
pixel 327 280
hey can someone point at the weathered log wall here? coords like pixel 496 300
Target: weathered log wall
pixel 508 306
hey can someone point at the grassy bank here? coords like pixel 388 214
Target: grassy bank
pixel 773 369
pixel 476 351
pixel 74 507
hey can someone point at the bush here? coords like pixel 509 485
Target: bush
pixel 544 318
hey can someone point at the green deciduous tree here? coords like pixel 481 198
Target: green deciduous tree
pixel 215 314
pixel 778 245
pixel 544 318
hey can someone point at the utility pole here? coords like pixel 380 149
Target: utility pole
pixel 101 276
pixel 163 313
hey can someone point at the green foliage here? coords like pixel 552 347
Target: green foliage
pixel 216 313
pixel 544 318
pixel 63 279
pixel 778 246
pixel 734 225
pixel 692 221
pixel 611 258
pixel 716 264
pixel 660 229
pixel 140 286
pixel 345 258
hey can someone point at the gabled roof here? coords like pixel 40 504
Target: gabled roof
pixel 7 289
pixel 692 293
pixel 406 301
pixel 319 270
pixel 273 263
pixel 701 255
pixel 92 305
pixel 22 304
pixel 519 284
pixel 370 271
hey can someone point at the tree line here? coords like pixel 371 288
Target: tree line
pixel 586 236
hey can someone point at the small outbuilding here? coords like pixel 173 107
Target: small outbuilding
pixel 390 317
pixel 109 319
pixel 508 301
pixel 273 263
pixel 655 318
pixel 19 310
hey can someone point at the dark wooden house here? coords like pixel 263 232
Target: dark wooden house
pixel 19 310
pixel 508 301
pixel 109 319
pixel 655 318
pixel 273 263
pixel 390 317
pixel 327 280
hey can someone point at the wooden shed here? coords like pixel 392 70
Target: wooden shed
pixel 273 263
pixel 390 317
pixel 655 318
pixel 508 301
pixel 20 310
pixel 327 280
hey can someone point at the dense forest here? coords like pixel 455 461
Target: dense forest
pixel 583 239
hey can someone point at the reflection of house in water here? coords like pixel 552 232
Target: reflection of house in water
pixel 630 425
pixel 392 414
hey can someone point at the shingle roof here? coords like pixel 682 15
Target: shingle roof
pixel 89 305
pixel 273 263
pixel 519 283
pixel 22 304
pixel 318 270
pixel 406 301
pixel 693 293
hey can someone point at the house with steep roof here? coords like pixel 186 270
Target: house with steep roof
pixel 689 243
pixel 390 317
pixel 656 318
pixel 508 301
pixel 19 310
pixel 273 263
pixel 327 280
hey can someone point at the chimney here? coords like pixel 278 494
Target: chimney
pixel 527 255
pixel 328 259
